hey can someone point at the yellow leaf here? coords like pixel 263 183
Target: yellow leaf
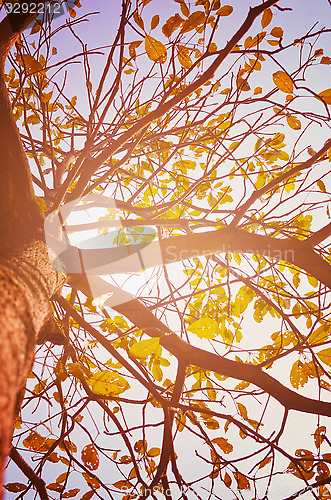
pixel 293 122
pixel 155 50
pixel 122 485
pixel 296 280
pixel 273 42
pixel 325 96
pixel 71 493
pixel 30 63
pixel 226 10
pixel 107 383
pixel 243 84
pixel 42 204
pixel 18 422
pixel 283 81
pixel 257 90
pixel 312 280
pixel 325 60
pixel 184 57
pixel 140 446
pixel 242 410
pixel 325 356
pixel 157 372
pixel 204 328
pixel 33 119
pixel 180 421
pixel 215 4
pixel 38 388
pixel 266 18
pixel 289 186
pixel 34 441
pixel 195 19
pixel 277 32
pixel 93 482
pixel 242 385
pixel 145 348
pixel 155 21
pixel 61 478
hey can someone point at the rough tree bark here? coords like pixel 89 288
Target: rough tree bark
pixel 27 280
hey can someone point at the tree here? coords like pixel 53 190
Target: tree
pixel 221 179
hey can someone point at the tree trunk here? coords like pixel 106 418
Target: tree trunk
pixel 27 280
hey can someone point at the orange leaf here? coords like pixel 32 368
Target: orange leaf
pixel 266 18
pixel 277 32
pixel 194 20
pixel 172 24
pixel 227 480
pixel 132 48
pixel 226 10
pixel 325 96
pixel 242 481
pixel 223 444
pixel 155 21
pixel 14 487
pixel 293 122
pixel 90 457
pixel 138 20
pixel 283 81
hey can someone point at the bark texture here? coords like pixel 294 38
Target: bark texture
pixel 27 281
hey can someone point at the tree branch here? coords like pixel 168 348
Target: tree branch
pixel 163 108
pixel 327 480
pixel 179 248
pixel 143 319
pixel 187 354
pixel 277 180
pixel 39 483
pixel 320 235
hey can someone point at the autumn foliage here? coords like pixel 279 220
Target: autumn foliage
pixel 209 124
